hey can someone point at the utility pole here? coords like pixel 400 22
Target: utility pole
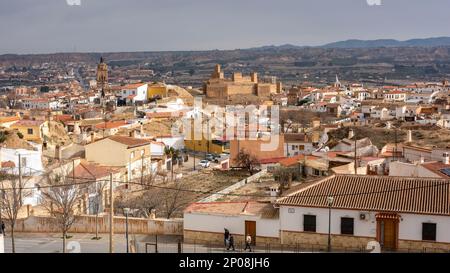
pixel 20 178
pixel 330 200
pixel 356 158
pixel 193 136
pixel 396 147
pixel 111 214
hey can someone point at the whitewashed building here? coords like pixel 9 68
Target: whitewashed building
pixel 400 213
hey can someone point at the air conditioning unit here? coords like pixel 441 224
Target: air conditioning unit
pixel 364 216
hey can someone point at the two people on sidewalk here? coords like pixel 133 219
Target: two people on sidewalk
pixel 229 241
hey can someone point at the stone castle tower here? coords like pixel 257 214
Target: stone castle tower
pixel 102 75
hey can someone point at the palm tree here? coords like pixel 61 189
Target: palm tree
pixel 173 154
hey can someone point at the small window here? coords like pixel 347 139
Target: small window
pixel 30 131
pixel 309 223
pixel 429 232
pixel 347 225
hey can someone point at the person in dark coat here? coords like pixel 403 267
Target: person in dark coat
pixel 2 228
pixel 231 243
pixel 226 236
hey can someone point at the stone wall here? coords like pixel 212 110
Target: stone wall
pixel 200 237
pixel 404 245
pixel 355 243
pixel 86 224
pixel 337 241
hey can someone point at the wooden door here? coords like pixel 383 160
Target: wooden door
pixel 388 233
pixel 250 229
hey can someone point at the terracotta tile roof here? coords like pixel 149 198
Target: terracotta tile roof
pixel 28 123
pixel 271 160
pixel 436 168
pixel 131 142
pixel 111 124
pixel 8 164
pixel 291 161
pixel 376 193
pixel 9 119
pixel 86 170
pixel 63 118
pixel 265 210
pixel 295 138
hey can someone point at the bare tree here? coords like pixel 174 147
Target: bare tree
pixel 284 177
pixel 141 205
pixel 173 199
pixel 247 161
pixel 12 194
pixel 100 187
pixel 61 197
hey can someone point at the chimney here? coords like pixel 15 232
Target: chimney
pixel 279 87
pixel 351 134
pixel 142 130
pixel 153 214
pixel 254 77
pixel 409 136
pixel 132 133
pixel 58 152
pixel 446 158
pixel 92 137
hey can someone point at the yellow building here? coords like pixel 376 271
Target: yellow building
pixel 32 130
pixel 157 89
pixel 207 146
pixel 132 154
pixel 212 145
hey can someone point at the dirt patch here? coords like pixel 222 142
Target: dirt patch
pixel 426 136
pixel 12 140
pixel 195 187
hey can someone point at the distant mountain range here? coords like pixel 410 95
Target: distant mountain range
pixel 354 43
pixel 427 42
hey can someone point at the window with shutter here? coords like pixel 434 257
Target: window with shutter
pixel 309 223
pixel 429 232
pixel 347 225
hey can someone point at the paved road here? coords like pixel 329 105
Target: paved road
pixel 52 243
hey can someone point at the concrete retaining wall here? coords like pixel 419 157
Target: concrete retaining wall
pixel 86 224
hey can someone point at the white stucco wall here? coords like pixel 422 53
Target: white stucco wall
pixel 410 225
pixel 32 160
pixel 235 224
pixel 294 221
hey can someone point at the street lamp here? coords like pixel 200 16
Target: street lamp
pixel 330 200
pixel 126 211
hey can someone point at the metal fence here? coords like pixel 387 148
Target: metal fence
pixel 201 246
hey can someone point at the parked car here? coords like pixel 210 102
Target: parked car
pixel 209 157
pixel 204 163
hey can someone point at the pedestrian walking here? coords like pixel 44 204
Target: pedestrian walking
pixel 231 243
pixel 2 228
pixel 226 236
pixel 248 243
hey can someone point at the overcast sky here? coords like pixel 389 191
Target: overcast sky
pixel 46 26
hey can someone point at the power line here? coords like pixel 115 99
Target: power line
pixel 240 195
